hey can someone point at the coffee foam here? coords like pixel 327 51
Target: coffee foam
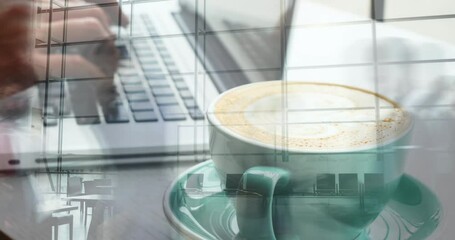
pixel 317 117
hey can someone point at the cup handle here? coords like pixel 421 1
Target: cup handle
pixel 254 201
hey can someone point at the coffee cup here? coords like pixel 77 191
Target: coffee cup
pixel 307 160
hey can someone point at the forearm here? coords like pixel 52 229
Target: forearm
pixel 16 73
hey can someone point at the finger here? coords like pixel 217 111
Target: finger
pixel 89 10
pixel 80 30
pixel 102 54
pixel 105 55
pixel 92 12
pixel 77 67
pixel 111 8
pixel 117 16
pixel 125 20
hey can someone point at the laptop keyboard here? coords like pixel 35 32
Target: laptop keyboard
pixel 166 90
pixel 152 95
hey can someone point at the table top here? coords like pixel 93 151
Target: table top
pixel 90 197
pixel 139 195
pixel 106 187
pixel 58 208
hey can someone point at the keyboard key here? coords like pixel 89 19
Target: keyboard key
pixel 126 63
pixel 150 65
pixel 162 91
pixel 155 77
pixel 196 113
pixel 88 120
pixel 186 94
pixel 151 68
pixel 130 79
pixel 173 69
pixel 138 88
pixel 178 78
pixel 143 46
pixel 151 30
pixel 123 52
pixel 171 113
pixel 137 97
pixel 148 60
pixel 190 103
pixel 127 72
pixel 116 114
pixel 181 85
pixel 155 72
pixel 168 61
pixel 141 106
pixel 116 102
pixel 160 46
pixel 158 41
pixel 140 44
pixel 139 32
pixel 147 116
pixel 145 53
pixel 166 100
pixel 139 41
pixel 158 83
pixel 165 54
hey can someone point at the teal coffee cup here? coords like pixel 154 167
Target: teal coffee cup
pixel 307 160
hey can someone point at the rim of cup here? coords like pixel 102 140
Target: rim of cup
pixel 212 119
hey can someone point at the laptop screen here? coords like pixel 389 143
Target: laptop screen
pixel 242 41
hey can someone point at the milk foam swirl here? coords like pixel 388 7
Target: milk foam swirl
pixel 310 116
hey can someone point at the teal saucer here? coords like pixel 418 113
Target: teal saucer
pixel 198 208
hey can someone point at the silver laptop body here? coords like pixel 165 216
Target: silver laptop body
pixel 168 75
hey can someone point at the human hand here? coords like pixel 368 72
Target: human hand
pixel 90 52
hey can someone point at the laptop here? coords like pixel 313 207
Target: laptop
pixel 175 58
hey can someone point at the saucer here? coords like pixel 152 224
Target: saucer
pixel 199 208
